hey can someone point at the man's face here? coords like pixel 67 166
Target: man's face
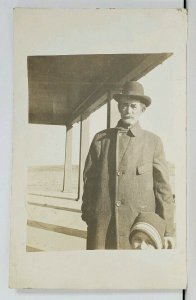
pixel 130 110
pixel 141 241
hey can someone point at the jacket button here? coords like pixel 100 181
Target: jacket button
pixel 143 207
pixel 118 203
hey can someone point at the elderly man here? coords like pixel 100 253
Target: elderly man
pixel 125 174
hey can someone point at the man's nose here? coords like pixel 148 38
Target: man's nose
pixel 129 109
pixel 143 245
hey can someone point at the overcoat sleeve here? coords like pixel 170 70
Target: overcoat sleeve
pixel 90 176
pixel 162 190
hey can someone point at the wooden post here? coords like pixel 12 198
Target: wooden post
pixel 109 109
pixel 67 182
pixel 84 148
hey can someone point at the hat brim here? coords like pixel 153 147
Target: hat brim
pixel 144 99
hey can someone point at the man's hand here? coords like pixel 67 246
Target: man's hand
pixel 169 242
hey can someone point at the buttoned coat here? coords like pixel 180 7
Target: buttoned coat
pixel 117 188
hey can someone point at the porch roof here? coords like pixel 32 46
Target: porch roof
pixel 61 88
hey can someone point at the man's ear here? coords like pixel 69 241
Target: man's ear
pixel 143 108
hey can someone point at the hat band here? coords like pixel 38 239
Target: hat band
pixel 132 93
pixel 150 230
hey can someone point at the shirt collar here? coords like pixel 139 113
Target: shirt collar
pixel 135 129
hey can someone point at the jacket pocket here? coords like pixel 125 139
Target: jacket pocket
pixel 146 167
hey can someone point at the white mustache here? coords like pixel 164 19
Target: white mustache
pixel 128 116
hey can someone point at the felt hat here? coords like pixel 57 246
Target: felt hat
pixel 153 225
pixel 133 90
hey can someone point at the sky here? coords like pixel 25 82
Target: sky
pixel 46 145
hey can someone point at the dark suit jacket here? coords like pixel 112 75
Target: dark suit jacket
pixel 117 188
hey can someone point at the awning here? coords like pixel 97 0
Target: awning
pixel 61 88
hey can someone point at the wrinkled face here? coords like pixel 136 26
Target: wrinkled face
pixel 130 110
pixel 141 241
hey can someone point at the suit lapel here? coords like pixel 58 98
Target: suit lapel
pixel 126 145
pixel 123 145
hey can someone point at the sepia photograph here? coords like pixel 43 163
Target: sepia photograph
pixel 97 178
pixel 99 149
